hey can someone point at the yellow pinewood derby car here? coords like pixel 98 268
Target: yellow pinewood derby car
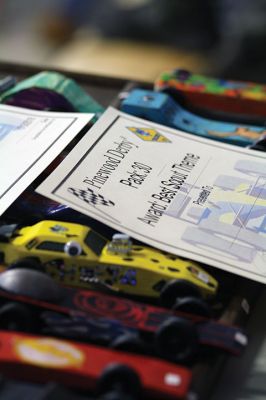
pixel 75 255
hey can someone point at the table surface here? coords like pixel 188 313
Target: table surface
pixel 125 59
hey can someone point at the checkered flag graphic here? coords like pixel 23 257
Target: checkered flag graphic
pixel 89 197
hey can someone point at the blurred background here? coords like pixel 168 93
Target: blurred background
pixel 137 39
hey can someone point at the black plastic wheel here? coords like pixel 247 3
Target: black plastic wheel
pixel 31 283
pixel 17 317
pixel 4 239
pixel 192 305
pixel 28 263
pixel 119 378
pixel 128 342
pixel 177 340
pixel 178 288
pixel 117 395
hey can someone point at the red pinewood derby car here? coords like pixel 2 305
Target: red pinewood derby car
pixel 32 301
pixel 93 368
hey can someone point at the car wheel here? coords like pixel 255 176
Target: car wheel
pixel 17 317
pixel 27 263
pixel 119 378
pixel 3 239
pixel 128 342
pixel 117 395
pixel 177 340
pixel 31 283
pixel 178 288
pixel 192 305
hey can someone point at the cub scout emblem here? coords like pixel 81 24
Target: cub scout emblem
pixel 148 134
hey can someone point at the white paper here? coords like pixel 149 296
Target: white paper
pixel 194 197
pixel 29 141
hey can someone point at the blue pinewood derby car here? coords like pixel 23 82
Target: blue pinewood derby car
pixel 163 109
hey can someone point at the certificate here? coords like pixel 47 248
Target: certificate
pixel 191 196
pixel 29 141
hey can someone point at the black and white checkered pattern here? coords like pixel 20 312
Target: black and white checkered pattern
pixel 89 197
